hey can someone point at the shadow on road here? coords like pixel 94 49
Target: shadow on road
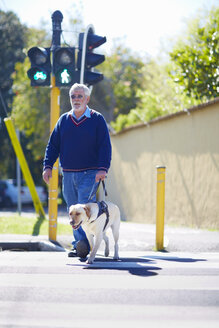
pixel 174 258
pixel 144 266
pixel 135 266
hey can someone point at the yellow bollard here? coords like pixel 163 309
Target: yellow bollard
pixel 53 184
pixel 24 167
pixel 160 207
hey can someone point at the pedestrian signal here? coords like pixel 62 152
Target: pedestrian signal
pixel 64 66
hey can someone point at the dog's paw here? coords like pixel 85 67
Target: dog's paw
pixel 106 253
pixel 90 261
pixel 115 257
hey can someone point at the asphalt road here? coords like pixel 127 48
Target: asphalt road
pixel 145 288
pixel 142 289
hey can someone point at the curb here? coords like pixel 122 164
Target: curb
pixel 34 246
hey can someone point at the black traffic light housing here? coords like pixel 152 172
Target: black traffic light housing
pixel 39 73
pixel 86 43
pixel 64 66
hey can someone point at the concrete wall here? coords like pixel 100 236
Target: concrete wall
pixel 187 143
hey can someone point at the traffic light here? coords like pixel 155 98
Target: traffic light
pixel 87 60
pixel 39 73
pixel 64 66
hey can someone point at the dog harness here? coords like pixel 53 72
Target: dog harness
pixel 103 208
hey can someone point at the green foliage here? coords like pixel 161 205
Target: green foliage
pixel 11 47
pixel 191 78
pixel 27 225
pixel 160 96
pixel 102 99
pixel 12 42
pixel 31 109
pixel 124 71
pixel 123 121
pixel 196 57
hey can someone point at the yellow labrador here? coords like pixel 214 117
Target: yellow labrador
pixel 95 223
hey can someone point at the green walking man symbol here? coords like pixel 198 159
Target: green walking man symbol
pixel 65 77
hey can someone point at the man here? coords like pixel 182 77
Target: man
pixel 81 140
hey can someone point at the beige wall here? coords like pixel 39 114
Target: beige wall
pixel 188 145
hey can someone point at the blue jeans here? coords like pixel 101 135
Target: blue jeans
pixel 77 187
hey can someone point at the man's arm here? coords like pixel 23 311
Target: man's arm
pixel 51 153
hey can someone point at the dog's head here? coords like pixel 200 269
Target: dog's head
pixel 78 214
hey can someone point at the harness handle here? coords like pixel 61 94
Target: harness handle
pixel 103 208
pixel 93 190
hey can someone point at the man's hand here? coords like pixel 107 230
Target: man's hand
pixel 101 175
pixel 47 174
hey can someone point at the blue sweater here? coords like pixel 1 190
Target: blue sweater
pixel 81 145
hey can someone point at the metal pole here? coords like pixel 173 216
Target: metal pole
pixel 160 207
pixel 53 184
pixel 24 166
pixel 18 179
pixel 54 116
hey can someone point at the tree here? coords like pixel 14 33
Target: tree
pixel 33 104
pixel 159 96
pixel 32 122
pixel 12 43
pixel 189 79
pixel 102 98
pixel 196 57
pixel 124 73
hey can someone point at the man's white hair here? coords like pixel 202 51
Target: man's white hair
pixel 77 86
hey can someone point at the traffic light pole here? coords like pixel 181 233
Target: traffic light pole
pixel 53 184
pixel 54 116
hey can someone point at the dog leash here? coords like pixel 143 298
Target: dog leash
pixel 104 189
pixel 95 189
pixel 103 208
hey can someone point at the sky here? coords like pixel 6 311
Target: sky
pixel 144 26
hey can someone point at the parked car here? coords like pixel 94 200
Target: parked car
pixel 1 197
pixel 9 194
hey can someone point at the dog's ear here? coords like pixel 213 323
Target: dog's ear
pixel 87 210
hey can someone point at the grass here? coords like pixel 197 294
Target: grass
pixel 30 226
